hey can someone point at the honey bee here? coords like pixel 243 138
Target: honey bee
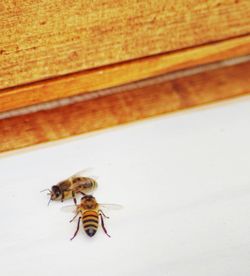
pixel 90 212
pixel 69 187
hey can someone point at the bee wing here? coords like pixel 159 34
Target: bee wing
pixel 69 208
pixel 111 206
pixel 84 173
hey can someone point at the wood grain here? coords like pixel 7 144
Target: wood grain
pixel 110 76
pixel 44 39
pixel 124 107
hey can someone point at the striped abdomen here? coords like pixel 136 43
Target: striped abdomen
pixel 85 184
pixel 91 184
pixel 90 220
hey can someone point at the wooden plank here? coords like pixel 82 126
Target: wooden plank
pixel 44 39
pixel 109 76
pixel 124 107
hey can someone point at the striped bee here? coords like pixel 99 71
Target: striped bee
pixel 68 188
pixel 90 212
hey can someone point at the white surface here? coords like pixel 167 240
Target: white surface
pixel 184 182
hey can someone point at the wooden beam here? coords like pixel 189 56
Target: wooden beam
pixel 124 107
pixel 45 39
pixel 110 76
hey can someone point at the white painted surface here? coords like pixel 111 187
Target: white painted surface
pixel 184 182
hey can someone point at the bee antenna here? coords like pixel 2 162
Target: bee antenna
pixel 45 190
pixel 49 201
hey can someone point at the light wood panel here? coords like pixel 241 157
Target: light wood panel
pixel 44 39
pixel 124 107
pixel 122 73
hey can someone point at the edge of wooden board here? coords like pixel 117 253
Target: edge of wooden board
pixel 111 76
pixel 44 39
pixel 124 107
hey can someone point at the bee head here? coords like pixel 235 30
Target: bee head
pixel 87 197
pixel 89 202
pixel 55 192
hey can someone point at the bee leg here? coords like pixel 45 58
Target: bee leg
pixel 103 226
pixel 74 197
pixel 82 193
pixel 62 197
pixel 103 214
pixel 74 217
pixel 77 229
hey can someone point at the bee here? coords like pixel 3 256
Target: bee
pixel 68 188
pixel 90 213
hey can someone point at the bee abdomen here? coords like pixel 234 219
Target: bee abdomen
pixel 90 222
pixel 92 184
pixel 88 184
pixel 90 231
pixel 95 184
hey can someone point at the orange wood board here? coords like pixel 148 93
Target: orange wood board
pixel 45 39
pixel 122 73
pixel 124 107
